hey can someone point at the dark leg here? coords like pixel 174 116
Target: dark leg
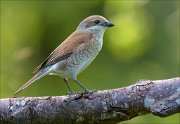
pixel 84 88
pixel 69 87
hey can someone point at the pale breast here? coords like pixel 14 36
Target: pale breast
pixel 79 60
pixel 87 55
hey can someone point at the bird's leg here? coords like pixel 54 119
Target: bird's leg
pixel 83 87
pixel 69 87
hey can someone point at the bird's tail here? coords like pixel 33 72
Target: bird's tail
pixel 39 75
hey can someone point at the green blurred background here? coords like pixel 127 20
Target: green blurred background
pixel 144 44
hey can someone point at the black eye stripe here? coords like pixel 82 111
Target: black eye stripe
pixel 96 21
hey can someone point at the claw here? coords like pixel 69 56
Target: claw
pixel 70 93
pixel 86 91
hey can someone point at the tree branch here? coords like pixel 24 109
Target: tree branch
pixel 159 97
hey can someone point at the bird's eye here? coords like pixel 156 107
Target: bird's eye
pixel 96 21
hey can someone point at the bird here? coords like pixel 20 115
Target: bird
pixel 74 54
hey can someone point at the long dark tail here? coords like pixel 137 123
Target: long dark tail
pixel 39 75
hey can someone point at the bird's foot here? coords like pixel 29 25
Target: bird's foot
pixel 87 93
pixel 71 93
pixel 84 94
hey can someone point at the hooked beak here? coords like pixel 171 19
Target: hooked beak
pixel 107 24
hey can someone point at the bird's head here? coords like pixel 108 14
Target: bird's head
pixel 95 24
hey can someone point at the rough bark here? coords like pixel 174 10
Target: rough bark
pixel 159 97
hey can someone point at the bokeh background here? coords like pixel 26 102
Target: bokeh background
pixel 144 44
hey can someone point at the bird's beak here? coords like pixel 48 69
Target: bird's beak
pixel 107 24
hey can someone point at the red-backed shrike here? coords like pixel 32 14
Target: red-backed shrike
pixel 75 53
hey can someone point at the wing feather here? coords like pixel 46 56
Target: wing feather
pixel 65 49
